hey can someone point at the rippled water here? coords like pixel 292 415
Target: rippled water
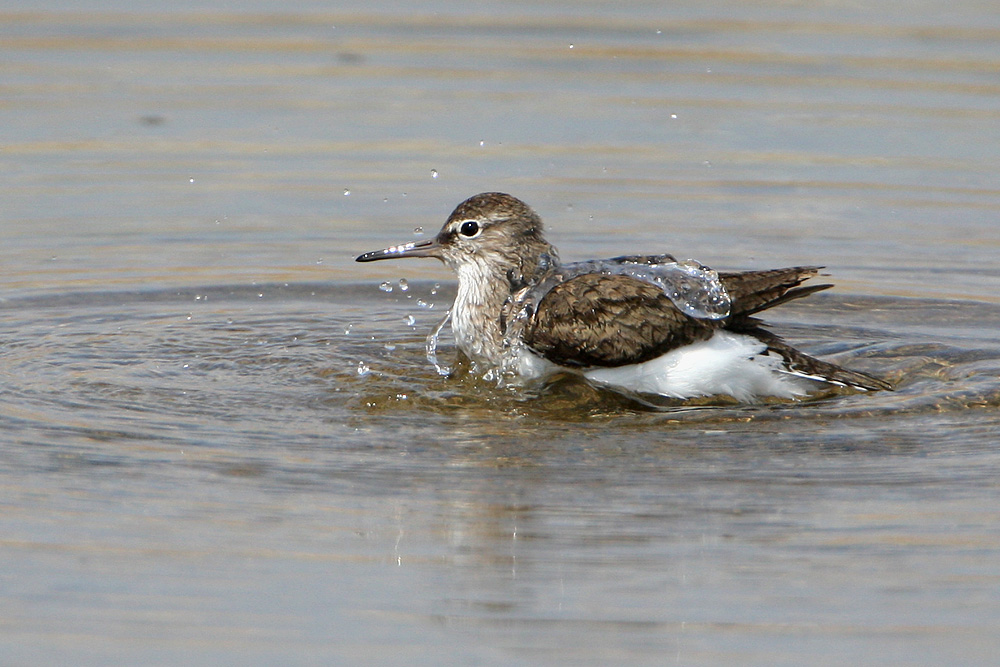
pixel 221 442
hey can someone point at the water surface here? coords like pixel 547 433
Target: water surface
pixel 221 441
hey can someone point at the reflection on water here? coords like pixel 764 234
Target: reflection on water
pixel 190 430
pixel 220 442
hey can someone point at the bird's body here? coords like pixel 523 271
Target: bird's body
pixel 643 324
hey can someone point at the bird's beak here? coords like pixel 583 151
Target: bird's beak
pixel 428 248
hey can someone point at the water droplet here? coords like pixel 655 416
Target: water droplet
pixel 707 164
pixel 410 320
pixel 190 180
pixel 403 285
pixel 435 288
pixel 319 261
pixel 363 369
pixel 423 304
pixel 385 286
pixel 673 116
pixel 482 142
pixel 389 346
pixel 347 193
pixel 571 46
pixel 434 173
pixel 347 330
pixel 418 231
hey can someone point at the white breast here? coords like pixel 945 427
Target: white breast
pixel 475 314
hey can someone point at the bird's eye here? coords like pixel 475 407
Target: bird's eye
pixel 469 228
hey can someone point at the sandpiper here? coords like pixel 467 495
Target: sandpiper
pixel 641 324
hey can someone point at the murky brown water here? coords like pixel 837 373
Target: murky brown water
pixel 221 443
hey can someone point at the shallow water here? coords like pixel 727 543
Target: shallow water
pixel 221 442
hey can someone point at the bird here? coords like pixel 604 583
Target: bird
pixel 639 324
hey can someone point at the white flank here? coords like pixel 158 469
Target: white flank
pixel 727 364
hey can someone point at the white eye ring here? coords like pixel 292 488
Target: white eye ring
pixel 470 229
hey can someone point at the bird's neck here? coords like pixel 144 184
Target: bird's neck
pixel 485 292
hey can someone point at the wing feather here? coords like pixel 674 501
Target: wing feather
pixel 754 291
pixel 601 320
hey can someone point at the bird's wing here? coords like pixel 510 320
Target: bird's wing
pixel 602 320
pixel 609 320
pixel 754 291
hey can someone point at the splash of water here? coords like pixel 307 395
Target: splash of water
pixel 432 344
pixel 693 287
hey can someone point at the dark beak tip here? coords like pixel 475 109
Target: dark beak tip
pixel 412 249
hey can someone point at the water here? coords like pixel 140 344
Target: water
pixel 692 287
pixel 222 443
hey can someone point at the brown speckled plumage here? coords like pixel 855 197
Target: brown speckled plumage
pixel 600 320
